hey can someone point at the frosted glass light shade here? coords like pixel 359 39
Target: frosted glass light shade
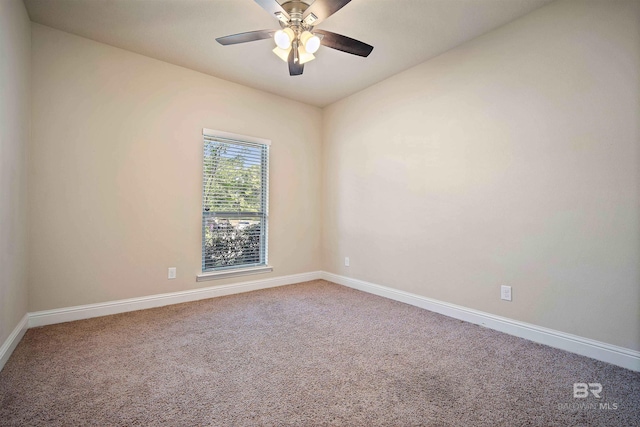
pixel 304 56
pixel 283 38
pixel 282 53
pixel 310 42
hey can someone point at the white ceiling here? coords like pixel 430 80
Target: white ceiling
pixel 404 33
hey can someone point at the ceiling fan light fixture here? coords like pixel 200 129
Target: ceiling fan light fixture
pixel 310 42
pixel 284 37
pixel 282 53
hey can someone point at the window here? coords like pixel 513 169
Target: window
pixel 234 203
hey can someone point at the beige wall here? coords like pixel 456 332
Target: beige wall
pixel 513 159
pixel 115 172
pixel 15 63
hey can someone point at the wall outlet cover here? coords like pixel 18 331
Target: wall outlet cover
pixel 505 293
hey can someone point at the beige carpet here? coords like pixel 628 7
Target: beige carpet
pixel 309 354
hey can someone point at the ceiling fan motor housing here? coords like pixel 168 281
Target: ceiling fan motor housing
pixel 296 10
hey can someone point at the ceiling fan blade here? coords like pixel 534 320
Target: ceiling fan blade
pixel 322 9
pixel 344 43
pixel 250 36
pixel 295 68
pixel 272 7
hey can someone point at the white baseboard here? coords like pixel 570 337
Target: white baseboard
pixel 13 339
pixel 609 353
pixel 615 355
pixel 68 314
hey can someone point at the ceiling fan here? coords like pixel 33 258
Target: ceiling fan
pixel 298 39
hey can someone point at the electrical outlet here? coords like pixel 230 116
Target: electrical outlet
pixel 172 273
pixel 505 293
pixel 346 261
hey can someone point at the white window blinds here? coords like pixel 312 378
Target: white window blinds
pixel 234 201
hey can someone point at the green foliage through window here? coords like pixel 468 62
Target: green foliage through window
pixel 234 204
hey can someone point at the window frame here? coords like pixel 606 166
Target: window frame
pixel 245 269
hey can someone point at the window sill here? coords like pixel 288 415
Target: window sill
pixel 214 275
